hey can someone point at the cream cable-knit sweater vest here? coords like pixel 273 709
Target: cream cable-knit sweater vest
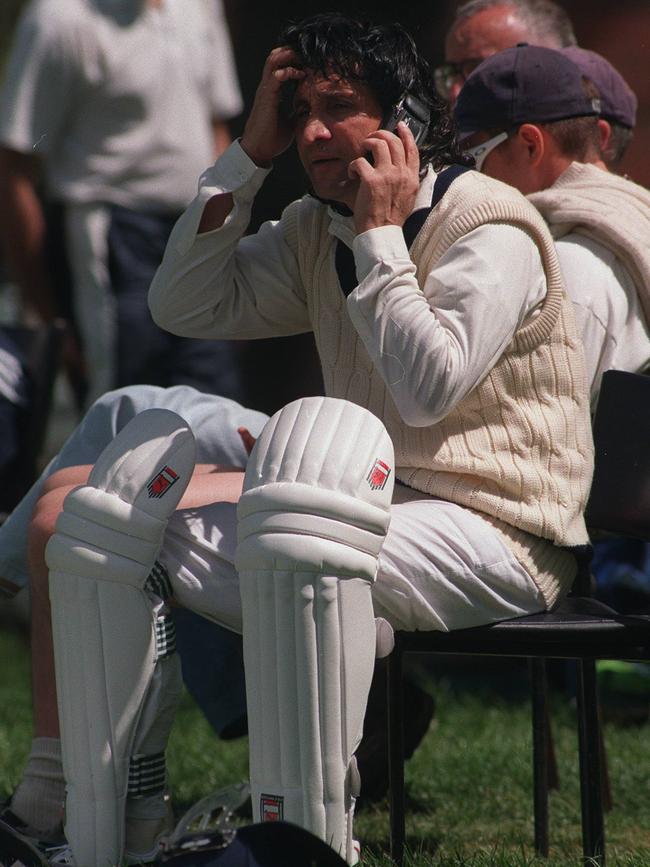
pixel 612 210
pixel 517 450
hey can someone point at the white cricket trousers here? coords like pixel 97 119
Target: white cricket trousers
pixel 441 567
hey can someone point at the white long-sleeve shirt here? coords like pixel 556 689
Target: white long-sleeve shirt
pixel 607 307
pixel 431 347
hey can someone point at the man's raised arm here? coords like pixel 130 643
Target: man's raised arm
pixel 265 136
pixel 212 282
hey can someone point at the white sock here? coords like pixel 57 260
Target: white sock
pixel 147 819
pixel 38 800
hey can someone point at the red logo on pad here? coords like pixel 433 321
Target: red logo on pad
pixel 162 482
pixel 271 808
pixel 378 475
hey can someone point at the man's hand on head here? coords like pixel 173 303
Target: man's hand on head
pixel 267 134
pixel 388 187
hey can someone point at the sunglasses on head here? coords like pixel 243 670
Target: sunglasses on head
pixel 481 151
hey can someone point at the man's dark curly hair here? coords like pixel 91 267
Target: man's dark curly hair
pixel 385 57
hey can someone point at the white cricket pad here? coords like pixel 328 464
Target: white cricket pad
pixel 109 632
pixel 312 519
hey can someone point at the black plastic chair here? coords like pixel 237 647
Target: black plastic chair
pixel 41 348
pixel 579 629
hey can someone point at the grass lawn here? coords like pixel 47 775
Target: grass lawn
pixel 468 786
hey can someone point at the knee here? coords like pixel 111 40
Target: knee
pixel 46 511
pixel 317 490
pixel 66 478
pixel 137 397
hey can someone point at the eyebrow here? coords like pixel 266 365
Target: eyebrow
pixel 339 91
pixel 347 92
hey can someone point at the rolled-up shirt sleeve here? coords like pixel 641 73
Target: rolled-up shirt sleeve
pixel 223 285
pixel 433 345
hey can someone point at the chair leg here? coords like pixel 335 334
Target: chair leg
pixel 591 792
pixel 606 785
pixel 551 758
pixel 540 753
pixel 394 673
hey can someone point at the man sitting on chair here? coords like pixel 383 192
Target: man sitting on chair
pixel 528 113
pixel 439 485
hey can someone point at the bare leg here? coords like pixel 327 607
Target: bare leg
pixel 37 803
pixel 214 421
pixel 46 721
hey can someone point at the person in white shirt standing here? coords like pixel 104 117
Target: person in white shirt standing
pixel 109 110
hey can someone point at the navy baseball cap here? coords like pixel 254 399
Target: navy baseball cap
pixel 523 84
pixel 618 101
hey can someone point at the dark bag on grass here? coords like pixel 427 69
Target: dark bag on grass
pixel 268 844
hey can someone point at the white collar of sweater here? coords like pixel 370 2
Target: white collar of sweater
pixel 579 172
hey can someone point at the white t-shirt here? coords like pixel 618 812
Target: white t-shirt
pixel 118 97
pixel 608 312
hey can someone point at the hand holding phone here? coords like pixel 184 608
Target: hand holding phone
pixel 389 181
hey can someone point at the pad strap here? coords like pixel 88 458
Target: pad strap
pixel 147 775
pixel 159 583
pixel 165 636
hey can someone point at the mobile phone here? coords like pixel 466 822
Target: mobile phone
pixel 413 112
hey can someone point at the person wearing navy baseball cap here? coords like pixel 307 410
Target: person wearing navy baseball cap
pixel 528 116
pixel 517 93
pixel 618 102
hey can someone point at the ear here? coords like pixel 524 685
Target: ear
pixel 532 139
pixel 605 130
